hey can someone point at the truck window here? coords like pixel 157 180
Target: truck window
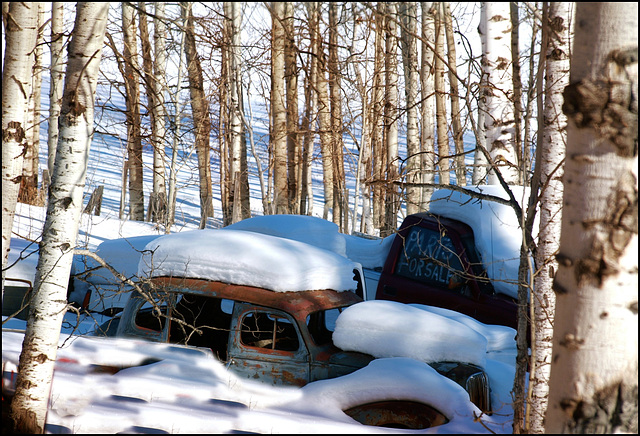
pixel 153 315
pixel 322 324
pixel 430 257
pixel 200 321
pixel 268 330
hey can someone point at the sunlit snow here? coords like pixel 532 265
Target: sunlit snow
pixel 244 258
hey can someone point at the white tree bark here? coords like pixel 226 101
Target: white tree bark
pixel 35 371
pixel 278 109
pixel 427 140
pixel 159 131
pixel 134 137
pixel 551 166
pixel 456 125
pixel 441 109
pixel 21 33
pixel 593 386
pixel 57 72
pixel 29 184
pixel 409 17
pixel 495 30
pixel 232 13
pixel 391 118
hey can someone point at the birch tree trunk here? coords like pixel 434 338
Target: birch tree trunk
pixel 239 173
pixel 278 110
pixel 55 85
pixel 456 125
pixel 134 140
pixel 29 184
pixel 291 83
pixel 427 140
pixel 441 110
pixel 155 99
pixel 340 209
pixel 514 16
pixel 593 386
pixel 35 371
pixel 391 118
pixel 409 17
pixel 324 121
pixel 21 33
pixel 311 104
pixel 173 170
pixel 494 27
pixel 159 113
pixel 377 121
pixel 551 165
pixel 201 120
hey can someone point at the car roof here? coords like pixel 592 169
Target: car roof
pixel 299 303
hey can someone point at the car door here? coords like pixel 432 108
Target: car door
pixel 266 345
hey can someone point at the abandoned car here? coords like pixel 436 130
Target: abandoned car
pixel 280 338
pixel 264 305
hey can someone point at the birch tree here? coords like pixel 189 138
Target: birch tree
pixel 291 85
pixel 29 183
pixel 551 165
pixel 134 139
pixel 21 33
pixel 39 349
pixel 409 17
pixel 377 119
pixel 495 31
pixel 159 194
pixel 55 83
pixel 311 103
pixel 340 209
pixel 155 107
pixel 427 139
pixel 278 110
pixel 237 144
pixel 441 110
pixel 456 124
pixel 200 113
pixel 324 119
pixel 593 386
pixel 391 118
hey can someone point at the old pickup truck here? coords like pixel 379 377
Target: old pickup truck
pixel 264 326
pixel 463 255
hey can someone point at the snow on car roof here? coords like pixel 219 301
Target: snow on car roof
pixel 370 253
pixel 246 258
pixel 495 229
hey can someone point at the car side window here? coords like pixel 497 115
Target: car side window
pixel 267 330
pixel 322 324
pixel 152 315
pixel 429 256
pixel 200 321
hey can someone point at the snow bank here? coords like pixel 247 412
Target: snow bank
pixel 247 258
pixel 495 228
pixel 390 329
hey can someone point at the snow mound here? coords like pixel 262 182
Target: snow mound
pixel 390 329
